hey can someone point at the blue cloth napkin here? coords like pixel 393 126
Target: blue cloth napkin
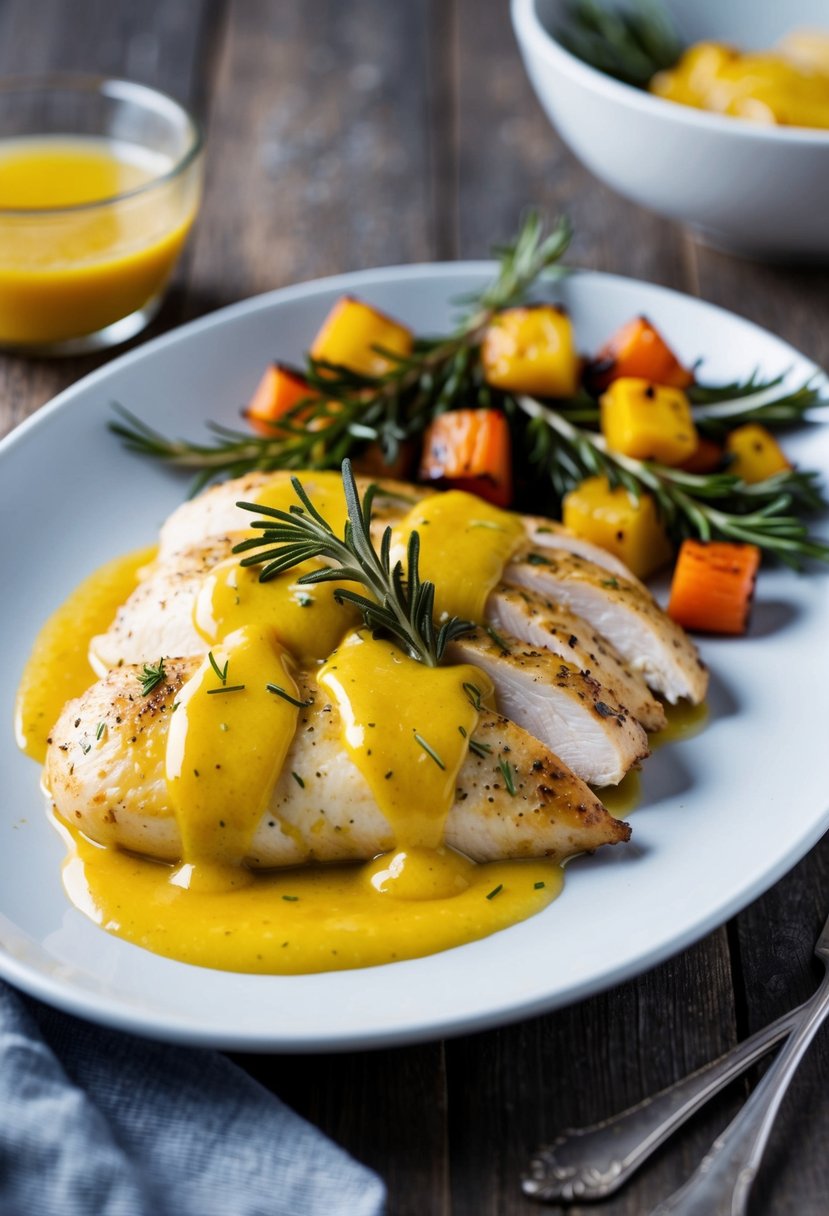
pixel 98 1123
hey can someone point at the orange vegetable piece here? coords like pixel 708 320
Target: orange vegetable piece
pixel 279 390
pixel 713 586
pixel 372 463
pixel 638 350
pixel 706 457
pixel 470 450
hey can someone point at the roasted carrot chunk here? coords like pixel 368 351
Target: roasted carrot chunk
pixel 279 390
pixel 470 450
pixel 637 350
pixel 713 586
pixel 705 458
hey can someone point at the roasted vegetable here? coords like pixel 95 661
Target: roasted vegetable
pixel 648 421
pixel 755 453
pixel 706 457
pixel 279 390
pixel 532 350
pixel 637 349
pixel 355 335
pixel 713 586
pixel 470 450
pixel 625 525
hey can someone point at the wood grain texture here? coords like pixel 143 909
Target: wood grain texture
pixel 344 135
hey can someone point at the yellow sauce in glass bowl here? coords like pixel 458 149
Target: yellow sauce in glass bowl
pixel 220 746
pixel 787 86
pixel 90 232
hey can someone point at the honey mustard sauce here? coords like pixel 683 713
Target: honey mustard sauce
pixel 404 725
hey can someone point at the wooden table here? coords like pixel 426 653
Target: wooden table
pixel 352 133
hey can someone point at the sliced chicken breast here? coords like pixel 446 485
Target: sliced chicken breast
pixel 569 712
pixel 109 781
pixel 623 612
pixel 541 623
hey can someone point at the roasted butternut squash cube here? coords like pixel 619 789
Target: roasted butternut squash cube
pixel 755 453
pixel 532 350
pixel 648 421
pixel 611 517
pixel 351 334
pixel 280 389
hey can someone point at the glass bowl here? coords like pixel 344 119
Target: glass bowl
pixel 100 182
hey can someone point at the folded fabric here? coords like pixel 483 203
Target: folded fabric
pixel 97 1123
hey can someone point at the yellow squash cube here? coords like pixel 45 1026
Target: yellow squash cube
pixel 620 523
pixel 352 331
pixel 648 421
pixel 532 350
pixel 755 453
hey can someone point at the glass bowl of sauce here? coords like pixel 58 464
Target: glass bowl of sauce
pixel 100 182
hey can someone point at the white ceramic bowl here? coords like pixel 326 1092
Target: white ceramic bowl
pixel 754 190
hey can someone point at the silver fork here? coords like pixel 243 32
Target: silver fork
pixel 591 1163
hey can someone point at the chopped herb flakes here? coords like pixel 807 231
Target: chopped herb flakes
pixel 212 692
pixel 507 773
pixel 538 559
pixel 496 891
pixel 480 749
pixel 298 780
pixel 100 731
pixel 430 751
pixel 474 694
pixel 291 899
pixel 610 582
pixel 221 672
pixel 286 696
pixel 538 886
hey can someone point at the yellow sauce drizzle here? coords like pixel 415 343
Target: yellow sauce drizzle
pixel 464 545
pixel 325 490
pixel 406 727
pixel 305 619
pixel 226 746
pixel 58 667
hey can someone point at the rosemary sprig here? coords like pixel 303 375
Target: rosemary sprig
pixel 398 601
pixel 718 408
pixel 708 506
pixel 631 44
pixel 356 409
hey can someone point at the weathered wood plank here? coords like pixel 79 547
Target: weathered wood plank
pixel 319 155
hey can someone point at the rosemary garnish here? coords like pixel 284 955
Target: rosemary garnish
pixel 99 733
pixel 356 409
pixel 632 44
pixel 430 751
pixel 298 780
pixel 398 602
pixel 496 891
pixel 221 672
pixel 507 774
pixel 474 693
pixel 286 696
pixel 151 676
pixel 213 692
pixel 712 506
pixel 481 750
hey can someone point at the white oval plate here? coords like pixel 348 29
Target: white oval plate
pixel 722 815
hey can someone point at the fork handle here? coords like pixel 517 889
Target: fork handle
pixel 593 1162
pixel 721 1184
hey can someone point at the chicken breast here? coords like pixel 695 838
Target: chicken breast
pixel 570 712
pixel 543 624
pixel 105 772
pixel 621 611
pixel 214 512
